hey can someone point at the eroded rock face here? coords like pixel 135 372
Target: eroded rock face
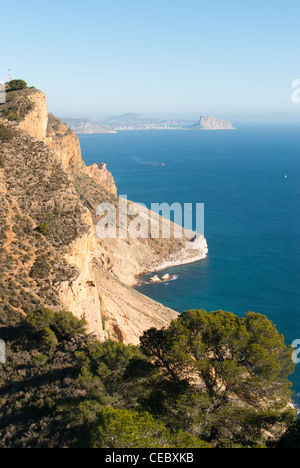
pixel 36 120
pixel 81 296
pixel 126 312
pixel 64 144
pixel 100 174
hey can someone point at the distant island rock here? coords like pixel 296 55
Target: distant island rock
pixel 100 174
pixel 212 123
pixel 87 126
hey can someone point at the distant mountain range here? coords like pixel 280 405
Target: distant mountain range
pixel 87 126
pixel 132 121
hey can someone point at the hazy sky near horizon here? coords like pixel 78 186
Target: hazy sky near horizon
pixel 159 57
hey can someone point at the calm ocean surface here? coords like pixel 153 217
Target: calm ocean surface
pixel 252 213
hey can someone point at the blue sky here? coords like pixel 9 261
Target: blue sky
pixel 161 57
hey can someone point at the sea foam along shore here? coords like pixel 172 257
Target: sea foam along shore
pixel 195 250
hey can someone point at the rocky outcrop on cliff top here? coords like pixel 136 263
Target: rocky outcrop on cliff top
pixel 64 144
pixel 87 126
pixel 45 235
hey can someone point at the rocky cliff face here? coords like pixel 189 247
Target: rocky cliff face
pixel 81 295
pixel 48 235
pixel 64 144
pixel 41 222
pixel 28 108
pixel 102 177
pixel 50 253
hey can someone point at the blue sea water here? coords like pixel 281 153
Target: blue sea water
pixel 252 213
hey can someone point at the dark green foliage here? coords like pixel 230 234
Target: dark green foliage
pixel 16 85
pixel 67 326
pixel 233 370
pixel 6 134
pixel 48 339
pixel 41 268
pixel 68 390
pixel 120 428
pixel 40 319
pixel 43 228
pixel 62 325
pixel 205 381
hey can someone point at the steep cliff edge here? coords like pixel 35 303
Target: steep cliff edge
pixel 49 202
pixel 64 144
pixel 28 109
pixel 47 242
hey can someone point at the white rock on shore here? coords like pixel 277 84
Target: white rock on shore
pixel 195 250
pixel 155 279
pixel 166 277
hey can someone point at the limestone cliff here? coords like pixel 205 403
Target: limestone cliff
pixel 27 108
pixel 48 235
pixel 49 202
pixel 64 144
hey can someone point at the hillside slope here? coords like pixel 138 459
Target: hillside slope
pixel 50 254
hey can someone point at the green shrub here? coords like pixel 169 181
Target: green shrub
pixel 6 134
pixel 41 268
pixel 66 325
pixel 43 229
pixel 40 319
pixel 120 428
pixel 246 354
pixel 16 85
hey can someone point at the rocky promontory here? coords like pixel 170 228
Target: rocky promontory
pixel 212 123
pixel 50 255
